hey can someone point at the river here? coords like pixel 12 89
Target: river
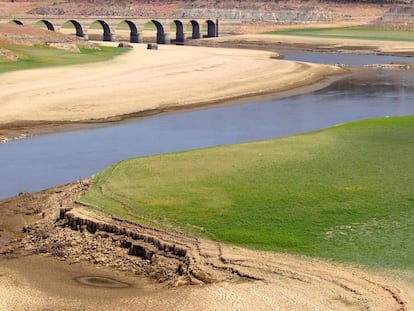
pixel 43 161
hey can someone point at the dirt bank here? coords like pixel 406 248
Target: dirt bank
pixel 52 242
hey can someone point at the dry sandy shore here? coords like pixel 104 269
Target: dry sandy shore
pixel 148 80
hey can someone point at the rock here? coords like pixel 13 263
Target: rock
pixel 8 56
pixel 70 47
pixel 47 11
pixel 152 46
pixel 125 45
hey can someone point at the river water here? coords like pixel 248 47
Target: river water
pixel 43 161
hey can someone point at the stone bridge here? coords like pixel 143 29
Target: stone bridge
pixel 128 28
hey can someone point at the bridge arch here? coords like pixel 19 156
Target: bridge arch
pixel 78 27
pixel 48 24
pixel 107 33
pixel 196 34
pixel 17 22
pixel 134 36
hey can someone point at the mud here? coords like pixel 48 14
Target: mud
pixel 100 281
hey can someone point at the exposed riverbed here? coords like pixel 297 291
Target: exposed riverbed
pixel 43 161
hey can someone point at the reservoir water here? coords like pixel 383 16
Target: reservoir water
pixel 43 161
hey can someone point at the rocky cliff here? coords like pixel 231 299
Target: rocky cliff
pixel 276 12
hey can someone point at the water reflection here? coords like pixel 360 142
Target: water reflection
pixel 44 161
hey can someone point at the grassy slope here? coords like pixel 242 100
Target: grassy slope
pixel 42 56
pixel 344 193
pixel 365 33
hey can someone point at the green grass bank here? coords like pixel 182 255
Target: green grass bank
pixel 364 33
pixel 344 193
pixel 39 56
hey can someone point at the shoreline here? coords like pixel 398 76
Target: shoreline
pixel 25 129
pixel 253 45
pixel 170 86
pixel 279 42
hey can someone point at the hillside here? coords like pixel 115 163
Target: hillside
pixel 256 12
pixel 15 35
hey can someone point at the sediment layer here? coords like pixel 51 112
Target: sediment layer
pixel 74 233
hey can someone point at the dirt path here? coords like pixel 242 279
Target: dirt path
pixel 164 269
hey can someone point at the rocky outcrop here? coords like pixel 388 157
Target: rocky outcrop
pixel 74 233
pixel 108 8
pixel 47 11
pixel 122 228
pixel 29 36
pixel 8 56
pixel 70 47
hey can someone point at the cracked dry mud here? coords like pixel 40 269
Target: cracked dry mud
pixel 49 241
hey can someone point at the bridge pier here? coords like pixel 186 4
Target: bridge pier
pixel 180 38
pixel 163 38
pixel 136 37
pixel 196 35
pixel 108 37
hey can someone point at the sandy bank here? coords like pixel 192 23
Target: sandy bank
pixel 143 80
pixel 334 45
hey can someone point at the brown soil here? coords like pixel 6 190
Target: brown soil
pixel 50 241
